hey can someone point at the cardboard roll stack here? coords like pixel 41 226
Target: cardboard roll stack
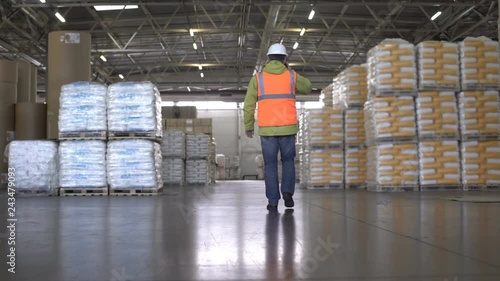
pixel 480 164
pixel 392 166
pixel 391 68
pixel 439 163
pixel 353 86
pixel 479 114
pixel 355 166
pixel 322 127
pixel 323 168
pixel 390 119
pixel 438 66
pixel 437 115
pixel 173 171
pixel 479 64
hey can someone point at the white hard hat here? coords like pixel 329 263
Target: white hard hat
pixel 277 49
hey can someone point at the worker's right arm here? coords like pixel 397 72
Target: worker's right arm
pixel 303 85
pixel 250 105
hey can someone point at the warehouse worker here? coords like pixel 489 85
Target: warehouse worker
pixel 274 90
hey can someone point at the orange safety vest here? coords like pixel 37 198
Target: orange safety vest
pixel 276 99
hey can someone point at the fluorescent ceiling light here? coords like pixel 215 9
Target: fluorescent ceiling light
pixel 295 45
pixel 189 89
pixel 60 17
pixel 311 14
pixel 302 31
pixel 103 58
pixel 436 15
pixel 202 75
pixel 200 67
pixel 191 32
pixel 43 1
pixel 195 46
pixel 114 7
pixel 281 41
pixel 121 76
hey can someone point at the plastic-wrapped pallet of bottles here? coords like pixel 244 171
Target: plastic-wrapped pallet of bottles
pixel 479 114
pixel 198 146
pixel 439 164
pixel 479 63
pixel 481 165
pixel 197 172
pixel 354 131
pixel 390 118
pixel 82 164
pixel 438 66
pixel 173 144
pixel 134 164
pixel 353 85
pixel 173 171
pixel 392 167
pixel 437 115
pixel 392 68
pixel 134 107
pixel 355 167
pixel 34 164
pixel 322 127
pixel 83 109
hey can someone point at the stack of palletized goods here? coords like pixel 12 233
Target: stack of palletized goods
pixel 439 163
pixel 353 85
pixel 33 167
pixel 173 149
pixel 221 166
pixel 481 165
pixel 197 153
pixel 232 167
pixel 133 166
pixel 479 64
pixel 82 167
pixel 438 66
pixel 211 161
pixel 322 148
pixel 259 161
pixel 327 95
pixel 437 115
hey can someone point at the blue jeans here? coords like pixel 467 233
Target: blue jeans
pixel 270 147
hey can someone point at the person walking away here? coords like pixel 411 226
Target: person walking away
pixel 274 89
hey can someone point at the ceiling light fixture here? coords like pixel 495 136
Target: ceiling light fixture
pixel 311 15
pixel 295 45
pixel 195 46
pixel 103 58
pixel 189 89
pixel 202 75
pixel 200 67
pixel 43 1
pixel 60 17
pixel 302 31
pixel 191 32
pixel 121 76
pixel 100 8
pixel 436 15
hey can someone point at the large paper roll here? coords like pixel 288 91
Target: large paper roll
pixel 31 121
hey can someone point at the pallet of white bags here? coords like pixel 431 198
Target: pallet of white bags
pixel 134 191
pixel 84 191
pixel 91 135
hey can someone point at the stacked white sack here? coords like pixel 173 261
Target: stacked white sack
pixel 134 164
pixel 173 144
pixel 197 146
pixel 173 171
pixel 82 164
pixel 439 162
pixel 34 164
pixel 479 64
pixel 197 171
pixel 134 107
pixel 82 107
pixel 479 113
pixel 353 86
pixel 437 114
pixel 438 66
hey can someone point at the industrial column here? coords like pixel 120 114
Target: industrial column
pixel 68 61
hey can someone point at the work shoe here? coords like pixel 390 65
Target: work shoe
pixel 272 207
pixel 287 196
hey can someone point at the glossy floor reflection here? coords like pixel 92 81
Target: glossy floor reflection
pixel 226 233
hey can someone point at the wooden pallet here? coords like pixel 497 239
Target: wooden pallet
pixel 93 135
pixel 355 186
pixel 395 93
pixel 438 137
pixel 392 188
pixel 324 186
pixel 134 191
pixel 441 187
pixel 394 140
pixel 481 187
pixel 440 88
pixel 480 137
pixel 84 191
pixel 480 87
pixel 149 135
pixel 36 192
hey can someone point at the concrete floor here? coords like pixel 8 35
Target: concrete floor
pixel 225 233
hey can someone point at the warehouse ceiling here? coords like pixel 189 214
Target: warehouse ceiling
pixel 153 41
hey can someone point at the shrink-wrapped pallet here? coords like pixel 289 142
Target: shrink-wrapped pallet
pixel 438 66
pixel 33 166
pixel 232 167
pixel 390 118
pixel 392 68
pixel 134 164
pixel 134 107
pixel 82 108
pixel 197 172
pixel 479 114
pixel 480 163
pixel 173 171
pixel 82 164
pixel 479 64
pixel 198 146
pixel 220 159
pixel 439 163
pixel 173 144
pixel 354 130
pixel 326 96
pixel 355 166
pixel 323 168
pixel 353 85
pixel 322 127
pixel 393 166
pixel 437 115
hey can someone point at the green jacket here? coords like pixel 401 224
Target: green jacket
pixel 274 67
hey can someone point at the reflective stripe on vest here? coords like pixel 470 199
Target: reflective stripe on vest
pixel 263 95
